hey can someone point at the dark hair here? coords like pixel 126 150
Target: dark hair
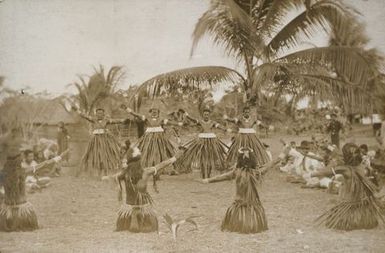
pixel 351 154
pixel 364 147
pixel 247 162
pixel 246 108
pixel 154 109
pixel 27 152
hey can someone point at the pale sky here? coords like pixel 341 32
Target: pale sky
pixel 44 44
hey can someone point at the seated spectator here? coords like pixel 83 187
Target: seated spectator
pixel 32 181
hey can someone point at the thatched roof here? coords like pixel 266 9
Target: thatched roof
pixel 30 109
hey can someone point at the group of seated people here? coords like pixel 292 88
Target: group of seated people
pixel 299 161
pixel 41 163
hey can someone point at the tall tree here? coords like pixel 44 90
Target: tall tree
pixel 259 34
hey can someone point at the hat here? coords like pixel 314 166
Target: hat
pixel 153 109
pixel 305 145
pixel 206 109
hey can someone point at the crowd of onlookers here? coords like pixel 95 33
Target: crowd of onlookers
pixel 322 154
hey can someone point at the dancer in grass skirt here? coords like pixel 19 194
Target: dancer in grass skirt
pixel 154 145
pixel 16 213
pixel 102 154
pixel 137 214
pixel 359 208
pixel 246 215
pixel 247 137
pixel 206 150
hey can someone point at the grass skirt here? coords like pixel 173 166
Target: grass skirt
pixel 364 214
pixel 20 217
pixel 206 153
pixel 245 218
pixel 359 210
pixel 250 141
pixel 138 218
pixel 246 214
pixel 155 148
pixel 102 155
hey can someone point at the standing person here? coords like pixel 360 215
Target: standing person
pixel 207 150
pixel 247 137
pixel 359 208
pixel 382 134
pixel 102 154
pixel 154 144
pixel 246 215
pixel 376 124
pixel 334 128
pixel 137 215
pixel 62 138
pixel 17 214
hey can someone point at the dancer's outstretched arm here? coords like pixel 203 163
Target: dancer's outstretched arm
pixel 219 126
pixel 232 120
pixel 160 166
pixel 34 169
pixel 117 121
pixel 130 111
pixel 225 176
pixel 84 116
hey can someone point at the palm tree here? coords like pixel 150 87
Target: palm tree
pixel 257 34
pixel 353 34
pixel 98 89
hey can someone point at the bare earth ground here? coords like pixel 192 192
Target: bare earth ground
pixel 78 215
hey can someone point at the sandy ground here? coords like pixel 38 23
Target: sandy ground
pixel 78 215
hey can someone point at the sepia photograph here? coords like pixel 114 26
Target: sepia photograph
pixel 188 126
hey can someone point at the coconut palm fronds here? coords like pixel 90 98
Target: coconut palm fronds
pixel 189 79
pixel 174 225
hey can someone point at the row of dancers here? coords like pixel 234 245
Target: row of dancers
pixel 206 151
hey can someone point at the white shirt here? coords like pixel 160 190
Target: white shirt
pixel 376 118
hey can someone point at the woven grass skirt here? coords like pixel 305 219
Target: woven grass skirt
pixel 20 217
pixel 208 154
pixel 155 148
pixel 102 155
pixel 138 218
pixel 249 140
pixel 245 218
pixel 365 214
